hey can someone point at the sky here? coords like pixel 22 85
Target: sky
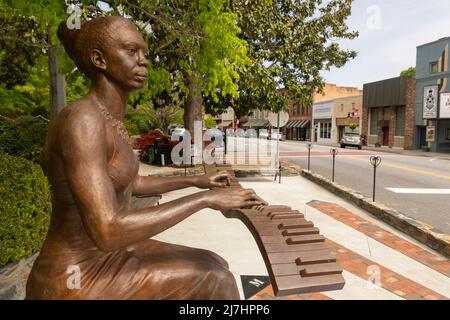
pixel 389 32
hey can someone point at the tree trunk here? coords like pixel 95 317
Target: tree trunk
pixel 57 81
pixel 193 108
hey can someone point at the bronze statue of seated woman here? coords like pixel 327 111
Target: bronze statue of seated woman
pixel 93 173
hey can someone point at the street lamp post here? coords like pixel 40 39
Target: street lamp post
pixel 278 174
pixel 334 152
pixel 375 161
pixel 309 146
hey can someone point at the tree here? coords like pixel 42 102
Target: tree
pixel 46 14
pixel 21 44
pixel 210 122
pixel 290 43
pixel 196 43
pixel 410 72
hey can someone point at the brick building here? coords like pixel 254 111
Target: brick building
pixel 388 112
pixel 226 119
pixel 346 113
pixel 299 125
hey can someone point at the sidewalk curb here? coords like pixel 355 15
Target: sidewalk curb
pixel 414 228
pixel 401 152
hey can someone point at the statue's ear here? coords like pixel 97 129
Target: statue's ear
pixel 98 59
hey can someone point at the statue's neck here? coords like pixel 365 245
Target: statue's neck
pixel 111 96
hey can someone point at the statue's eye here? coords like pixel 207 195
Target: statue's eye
pixel 131 50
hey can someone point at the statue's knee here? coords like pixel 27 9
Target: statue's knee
pixel 224 276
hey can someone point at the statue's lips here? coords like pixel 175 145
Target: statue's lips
pixel 141 77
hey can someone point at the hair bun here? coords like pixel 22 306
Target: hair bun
pixel 67 37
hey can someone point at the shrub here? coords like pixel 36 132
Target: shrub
pixel 146 140
pixel 25 207
pixel 143 126
pixel 23 137
pixel 132 127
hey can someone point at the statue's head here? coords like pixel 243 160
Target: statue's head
pixel 110 47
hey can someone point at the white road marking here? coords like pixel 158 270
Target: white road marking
pixel 419 190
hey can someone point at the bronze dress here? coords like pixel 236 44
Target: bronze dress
pixel 148 269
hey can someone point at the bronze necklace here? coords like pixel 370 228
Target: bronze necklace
pixel 117 125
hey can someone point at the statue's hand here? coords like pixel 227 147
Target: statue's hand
pixel 229 199
pixel 219 179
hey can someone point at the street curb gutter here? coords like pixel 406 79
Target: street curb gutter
pixel 416 229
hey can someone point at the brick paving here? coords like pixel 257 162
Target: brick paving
pixel 431 260
pixel 388 279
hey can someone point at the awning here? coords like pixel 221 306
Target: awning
pixel 297 124
pixel 304 124
pixel 256 123
pixel 226 123
pixel 291 123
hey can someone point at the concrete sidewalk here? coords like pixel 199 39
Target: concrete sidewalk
pixel 379 262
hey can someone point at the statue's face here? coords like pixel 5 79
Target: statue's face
pixel 126 61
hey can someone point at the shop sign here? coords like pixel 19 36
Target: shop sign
pixel 431 133
pixel 430 99
pixel 444 106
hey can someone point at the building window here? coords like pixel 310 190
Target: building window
pixel 325 130
pixel 342 107
pixel 374 121
pixel 448 134
pixel 400 121
pixel 434 67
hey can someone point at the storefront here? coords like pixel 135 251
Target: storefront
pixel 388 113
pixel 298 130
pixel 432 119
pixel 322 131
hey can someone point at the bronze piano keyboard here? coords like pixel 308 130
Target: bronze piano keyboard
pixel 296 257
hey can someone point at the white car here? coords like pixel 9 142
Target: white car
pixel 351 139
pixel 177 133
pixel 264 134
pixel 277 136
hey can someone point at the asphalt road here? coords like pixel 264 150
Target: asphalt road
pixel 353 169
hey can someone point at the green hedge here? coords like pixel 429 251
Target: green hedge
pixel 25 207
pixel 23 137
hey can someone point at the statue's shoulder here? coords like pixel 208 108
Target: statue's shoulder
pixel 81 113
pixel 80 119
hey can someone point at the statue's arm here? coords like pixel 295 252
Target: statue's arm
pixel 83 148
pixel 143 185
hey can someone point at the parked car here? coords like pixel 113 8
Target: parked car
pixel 172 127
pixel 251 133
pixel 216 136
pixel 277 136
pixel 351 139
pixel 177 133
pixel 240 133
pixel 264 134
